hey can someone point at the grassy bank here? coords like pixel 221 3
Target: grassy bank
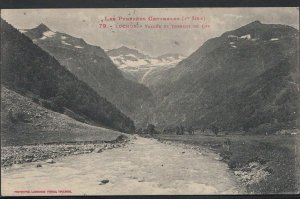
pixel 264 164
pixel 24 122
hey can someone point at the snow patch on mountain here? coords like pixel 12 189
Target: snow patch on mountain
pixel 63 42
pixel 140 65
pixel 123 63
pixel 126 61
pixel 248 36
pixel 131 55
pixel 130 59
pixel 46 34
pixel 43 37
pixel 49 33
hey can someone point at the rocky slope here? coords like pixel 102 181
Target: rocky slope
pixel 91 65
pixel 245 79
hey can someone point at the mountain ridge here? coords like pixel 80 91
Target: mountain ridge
pixel 32 72
pixel 92 65
pixel 201 86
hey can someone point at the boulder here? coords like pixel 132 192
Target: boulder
pixel 238 173
pixel 50 161
pixel 218 158
pixel 28 160
pixel 98 150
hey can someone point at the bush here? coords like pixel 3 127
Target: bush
pixel 150 129
pixel 11 117
pixel 36 100
pixel 214 129
pixel 19 116
pixel 52 106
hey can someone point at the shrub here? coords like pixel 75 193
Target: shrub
pixel 19 116
pixel 11 117
pixel 36 100
pixel 150 129
pixel 52 106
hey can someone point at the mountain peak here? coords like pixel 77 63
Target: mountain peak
pixel 256 29
pixel 255 25
pixel 125 48
pixel 255 22
pixel 42 27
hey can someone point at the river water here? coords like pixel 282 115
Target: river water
pixel 144 166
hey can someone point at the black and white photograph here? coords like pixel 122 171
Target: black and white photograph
pixel 150 101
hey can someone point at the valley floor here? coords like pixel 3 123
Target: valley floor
pixel 143 166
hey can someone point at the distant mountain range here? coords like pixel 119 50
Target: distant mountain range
pixel 246 79
pixel 92 65
pixel 33 73
pixel 138 66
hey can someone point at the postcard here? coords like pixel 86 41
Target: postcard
pixel 150 101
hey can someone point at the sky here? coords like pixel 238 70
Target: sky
pixel 84 23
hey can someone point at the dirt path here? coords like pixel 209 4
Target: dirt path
pixel 144 166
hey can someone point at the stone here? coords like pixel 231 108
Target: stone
pixel 238 173
pixel 253 164
pixel 50 161
pixel 218 158
pixel 28 160
pixel 102 182
pixel 38 165
pixel 98 150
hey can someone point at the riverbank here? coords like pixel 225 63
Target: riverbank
pixel 11 155
pixel 262 164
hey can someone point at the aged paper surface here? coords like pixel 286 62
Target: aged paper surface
pixel 149 101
